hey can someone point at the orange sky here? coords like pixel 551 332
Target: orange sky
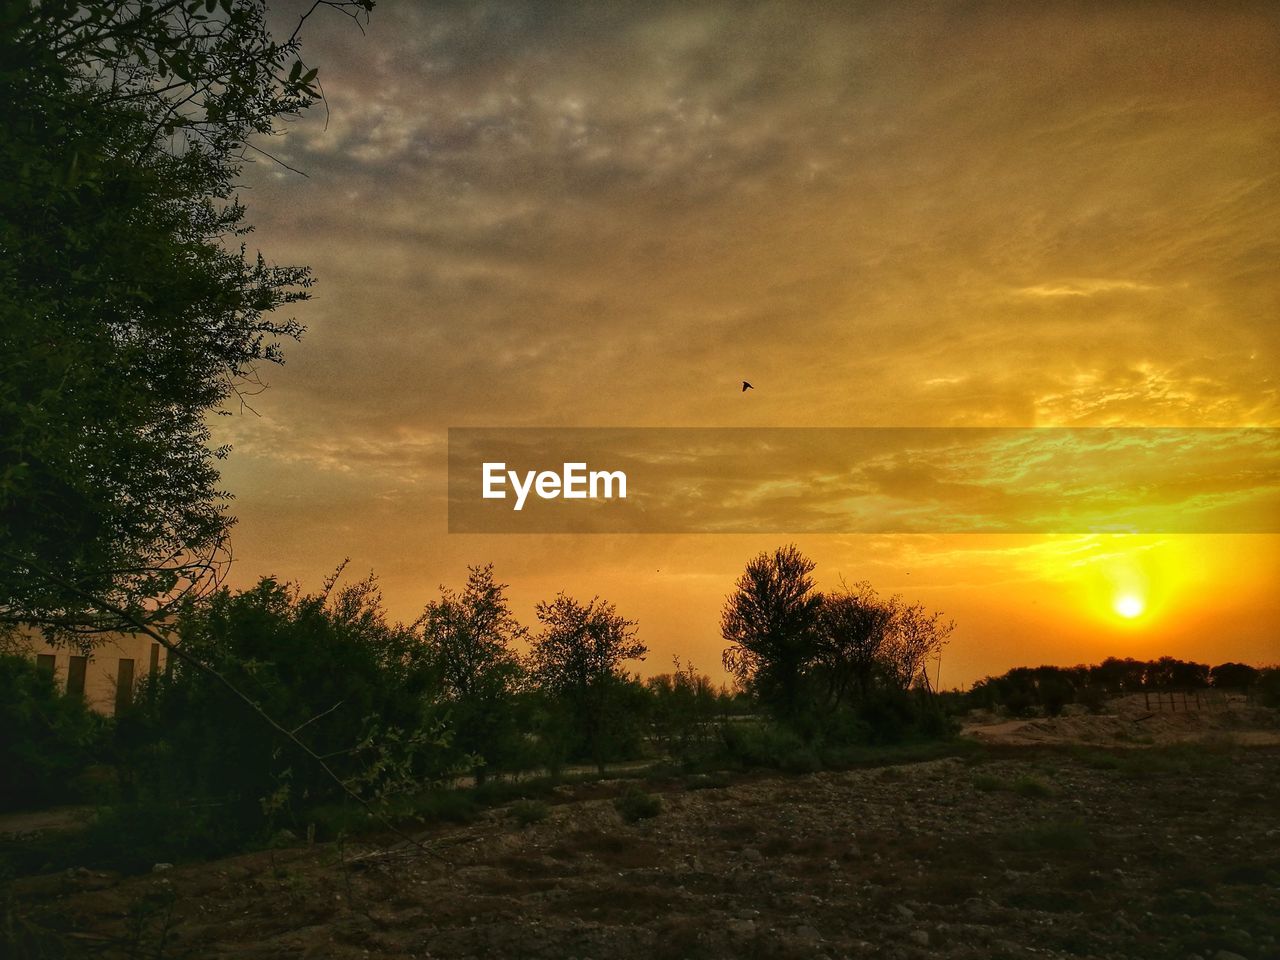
pixel 941 215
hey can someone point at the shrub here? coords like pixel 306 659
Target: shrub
pixel 635 805
pixel 528 812
pixel 1267 687
pixel 769 745
pixel 46 738
pixel 356 688
pixel 133 837
pixel 1094 699
pixel 889 715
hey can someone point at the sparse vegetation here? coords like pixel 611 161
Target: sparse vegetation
pixel 47 740
pixel 1043 875
pixel 528 812
pixel 636 805
pixel 1029 786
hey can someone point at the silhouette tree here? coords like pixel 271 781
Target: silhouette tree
pixel 1117 676
pixel 853 628
pixel 125 316
pixel 1233 676
pixel 469 638
pixel 915 636
pixel 1170 673
pixel 577 659
pixel 770 624
pixel 684 706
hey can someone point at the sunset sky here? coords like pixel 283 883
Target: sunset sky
pixel 882 215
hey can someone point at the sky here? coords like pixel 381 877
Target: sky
pixel 882 215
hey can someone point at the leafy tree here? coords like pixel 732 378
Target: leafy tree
pixel 1117 676
pixel 1170 673
pixel 1233 676
pixel 329 666
pixel 916 635
pixel 577 659
pixel 469 638
pixel 126 316
pixel 853 629
pixel 684 706
pixel 770 624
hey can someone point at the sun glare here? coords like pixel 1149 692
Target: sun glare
pixel 1129 605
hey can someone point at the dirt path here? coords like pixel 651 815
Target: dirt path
pixel 43 821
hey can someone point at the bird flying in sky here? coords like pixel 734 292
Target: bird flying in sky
pixel 746 386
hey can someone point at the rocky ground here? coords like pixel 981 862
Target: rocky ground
pixel 1035 851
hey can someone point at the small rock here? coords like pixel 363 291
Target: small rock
pixel 920 937
pixel 1227 955
pixel 905 912
pixel 752 855
pixel 161 867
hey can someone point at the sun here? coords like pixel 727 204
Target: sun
pixel 1129 605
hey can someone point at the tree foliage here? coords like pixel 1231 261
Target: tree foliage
pixel 1025 690
pixel 770 624
pixel 853 630
pixel 357 688
pixel 130 307
pixel 470 639
pixel 577 660
pixel 847 664
pixel 684 709
pixel 916 635
pixel 46 738
pixel 582 644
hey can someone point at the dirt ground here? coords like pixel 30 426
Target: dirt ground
pixel 1028 851
pixel 1139 720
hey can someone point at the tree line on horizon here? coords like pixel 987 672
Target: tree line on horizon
pixel 1026 691
pixel 465 689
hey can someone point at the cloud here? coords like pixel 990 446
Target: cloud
pixel 1082 288
pixel 954 214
